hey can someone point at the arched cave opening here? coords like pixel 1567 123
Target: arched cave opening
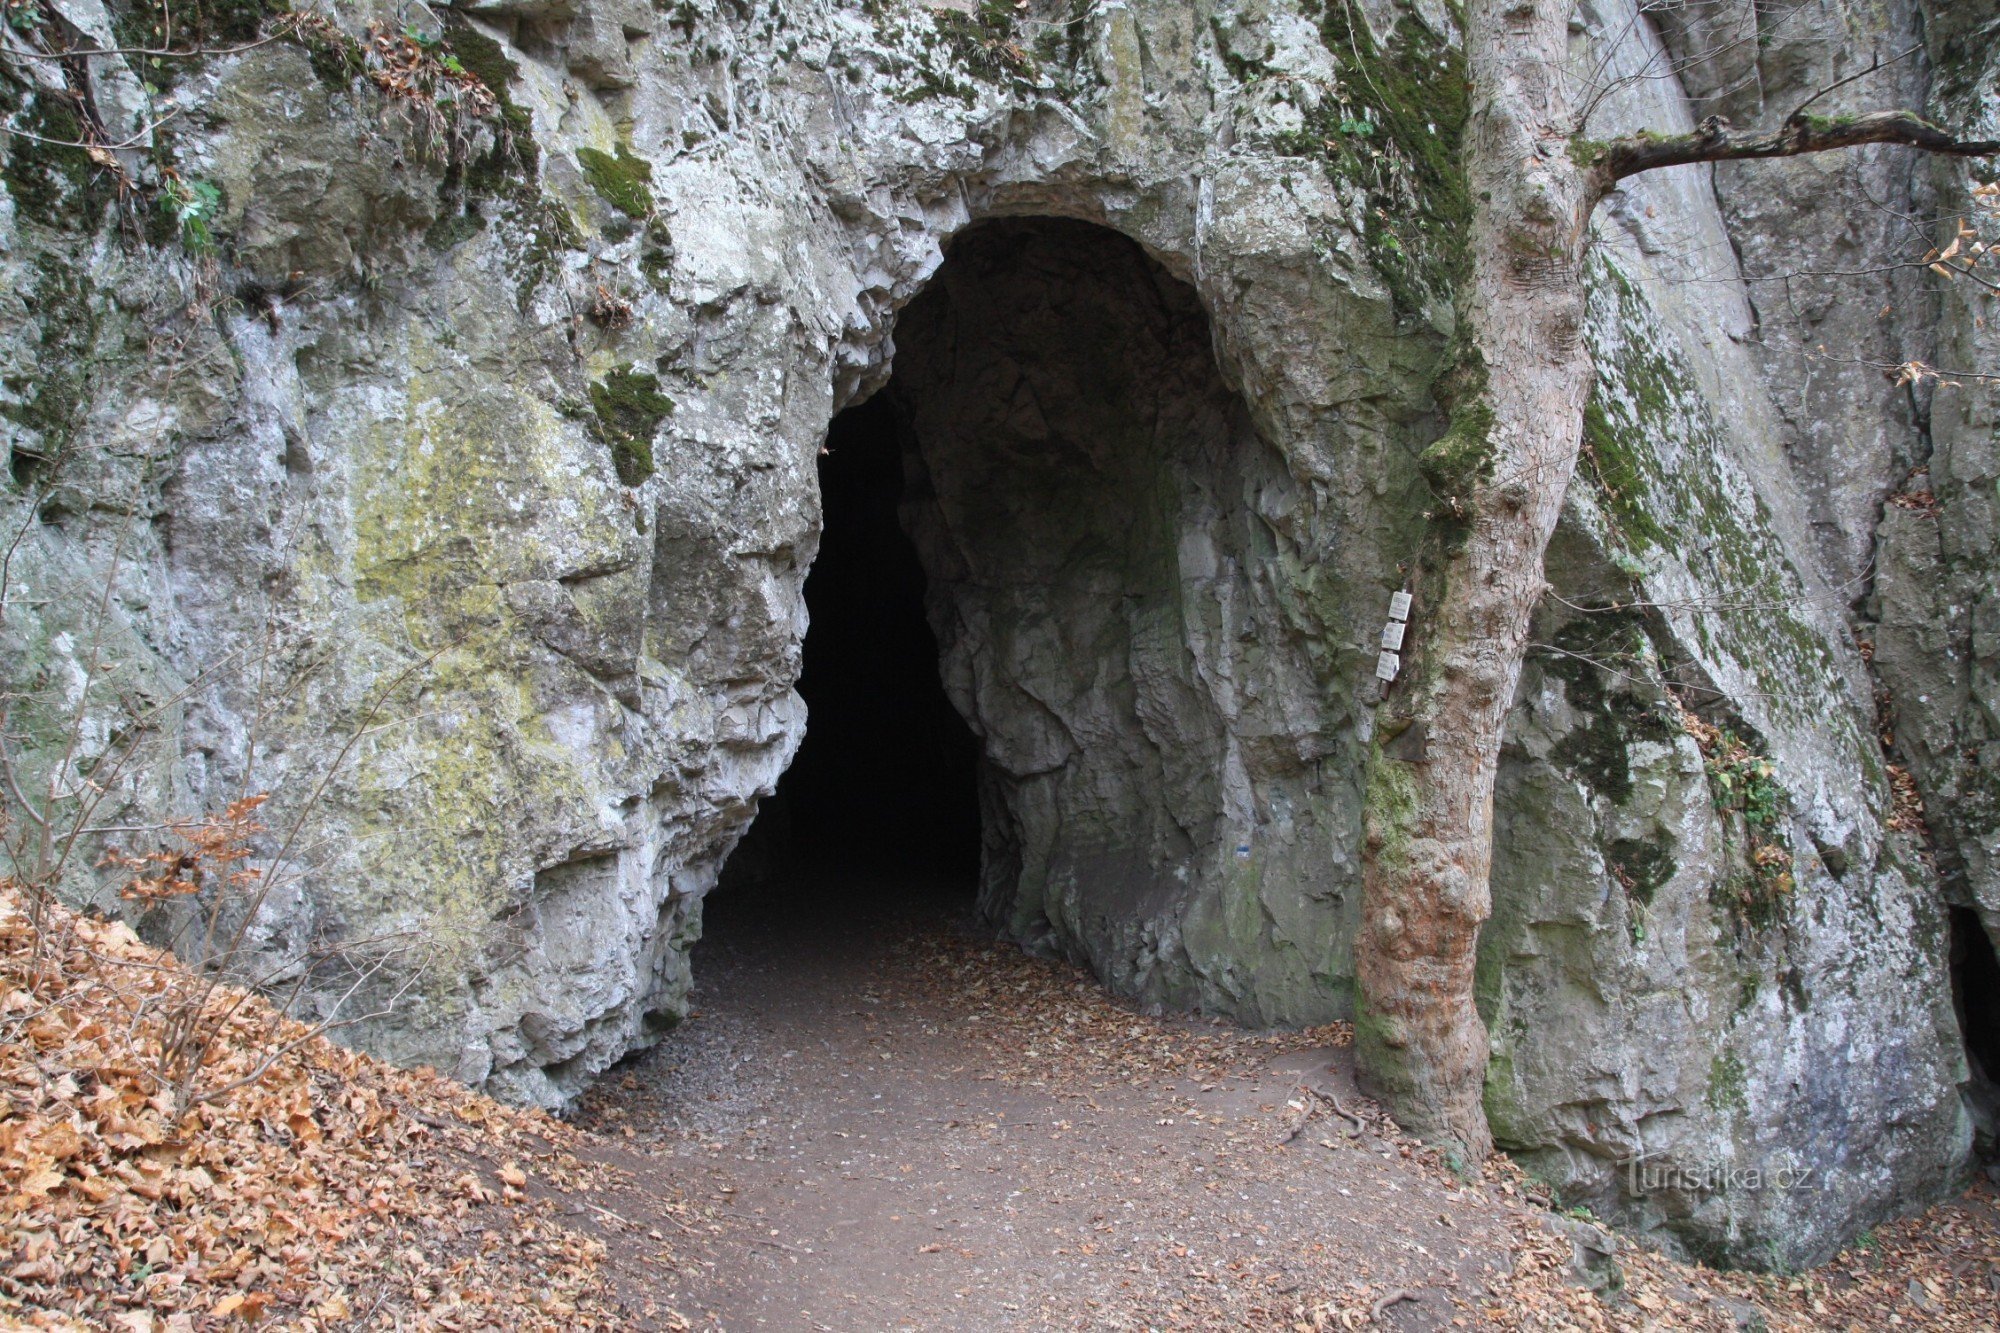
pixel 1058 522
pixel 1975 993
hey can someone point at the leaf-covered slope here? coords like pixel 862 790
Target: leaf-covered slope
pixel 331 1192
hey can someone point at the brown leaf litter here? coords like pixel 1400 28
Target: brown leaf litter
pixel 334 1191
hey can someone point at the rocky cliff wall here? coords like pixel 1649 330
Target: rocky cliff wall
pixel 1933 608
pixel 1703 896
pixel 445 444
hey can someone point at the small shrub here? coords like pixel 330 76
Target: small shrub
pixel 191 206
pixel 1744 783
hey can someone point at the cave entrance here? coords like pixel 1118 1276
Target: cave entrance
pixel 879 807
pixel 1058 521
pixel 1975 993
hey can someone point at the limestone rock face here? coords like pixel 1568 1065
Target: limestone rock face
pixel 1936 541
pixel 444 465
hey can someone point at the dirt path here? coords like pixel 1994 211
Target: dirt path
pixel 906 1128
pixel 880 1121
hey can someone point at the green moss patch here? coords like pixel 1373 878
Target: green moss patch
pixel 1590 651
pixel 1612 462
pixel 156 25
pixel 1728 1083
pixel 984 41
pixel 549 229
pixel 453 229
pixel 1664 470
pixel 1641 867
pixel 1395 129
pixel 958 50
pixel 51 182
pixel 629 408
pixel 53 403
pixel 336 58
pixel 1743 783
pixel 509 172
pixel 487 61
pixel 1462 457
pixel 625 182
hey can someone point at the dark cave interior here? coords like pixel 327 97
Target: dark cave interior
pixel 1975 993
pixel 883 789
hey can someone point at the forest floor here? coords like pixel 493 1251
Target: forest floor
pixel 876 1121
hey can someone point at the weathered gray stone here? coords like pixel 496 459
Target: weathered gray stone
pixel 1938 541
pixel 1818 241
pixel 1707 1002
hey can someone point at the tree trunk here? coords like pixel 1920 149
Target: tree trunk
pixel 1503 468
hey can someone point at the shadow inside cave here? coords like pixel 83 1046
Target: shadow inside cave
pixel 878 815
pixel 1975 985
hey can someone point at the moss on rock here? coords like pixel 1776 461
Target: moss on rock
pixel 547 228
pixel 1642 867
pixel 52 181
pixel 337 59
pixel 1667 477
pixel 1587 651
pixel 53 404
pixel 629 408
pixel 1462 457
pixel 984 44
pixel 982 41
pixel 453 229
pixel 1727 1083
pixel 1395 129
pixel 1614 466
pixel 656 256
pixel 624 181
pixel 517 157
pixel 151 25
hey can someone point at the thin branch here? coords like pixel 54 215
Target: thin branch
pixel 197 53
pixel 1677 65
pixel 1898 370
pixel 90 146
pixel 1873 65
pixel 268 876
pixel 1715 141
pixel 11 774
pixel 28 520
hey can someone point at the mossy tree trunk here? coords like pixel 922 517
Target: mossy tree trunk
pixel 1517 399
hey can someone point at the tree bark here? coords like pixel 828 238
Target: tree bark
pixel 1525 376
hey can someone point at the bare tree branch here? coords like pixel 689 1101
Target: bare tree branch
pixel 1715 141
pixel 1872 66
